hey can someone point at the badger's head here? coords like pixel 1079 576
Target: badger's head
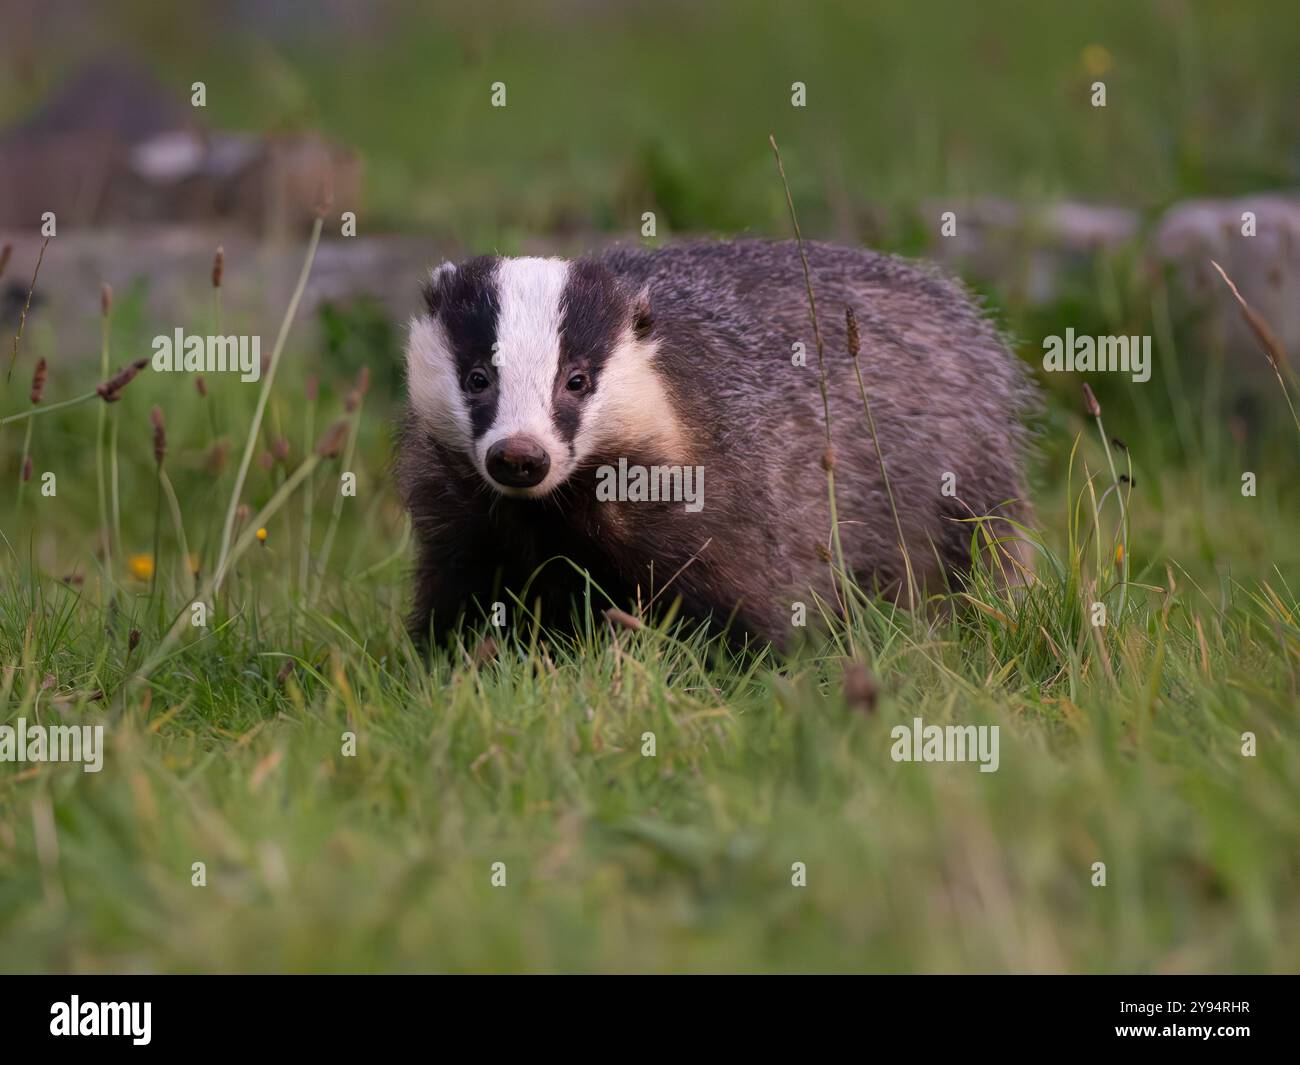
pixel 530 367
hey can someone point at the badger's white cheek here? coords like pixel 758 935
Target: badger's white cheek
pixel 630 407
pixel 432 385
pixel 561 466
pixel 586 439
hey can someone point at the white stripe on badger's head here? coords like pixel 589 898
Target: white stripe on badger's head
pixel 530 367
pixel 527 360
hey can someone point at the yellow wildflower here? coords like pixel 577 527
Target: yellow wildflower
pixel 1096 60
pixel 141 566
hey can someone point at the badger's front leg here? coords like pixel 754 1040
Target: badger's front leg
pixel 457 573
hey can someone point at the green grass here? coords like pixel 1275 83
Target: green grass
pixel 616 861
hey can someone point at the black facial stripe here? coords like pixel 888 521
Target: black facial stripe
pixel 467 302
pixel 566 415
pixel 593 313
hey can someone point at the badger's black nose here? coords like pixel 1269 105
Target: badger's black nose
pixel 518 462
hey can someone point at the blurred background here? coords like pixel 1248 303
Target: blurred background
pixel 1068 215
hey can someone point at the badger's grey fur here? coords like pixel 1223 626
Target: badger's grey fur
pixel 544 370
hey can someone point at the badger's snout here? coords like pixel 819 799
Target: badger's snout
pixel 517 462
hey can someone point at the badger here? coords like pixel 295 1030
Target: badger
pixel 649 426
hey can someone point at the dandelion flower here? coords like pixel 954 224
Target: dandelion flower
pixel 141 566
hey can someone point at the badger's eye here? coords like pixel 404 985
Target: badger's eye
pixel 577 382
pixel 477 380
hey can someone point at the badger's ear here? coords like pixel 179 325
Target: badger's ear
pixel 642 320
pixel 435 288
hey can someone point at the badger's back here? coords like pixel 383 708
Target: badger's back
pixel 946 395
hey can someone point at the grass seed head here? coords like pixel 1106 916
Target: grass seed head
pixel 861 688
pixel 1273 350
pixel 159 434
pixel 622 619
pixel 111 390
pixel 1090 403
pixel 217 457
pixel 329 445
pixel 851 328
pixel 38 381
pixel 359 390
